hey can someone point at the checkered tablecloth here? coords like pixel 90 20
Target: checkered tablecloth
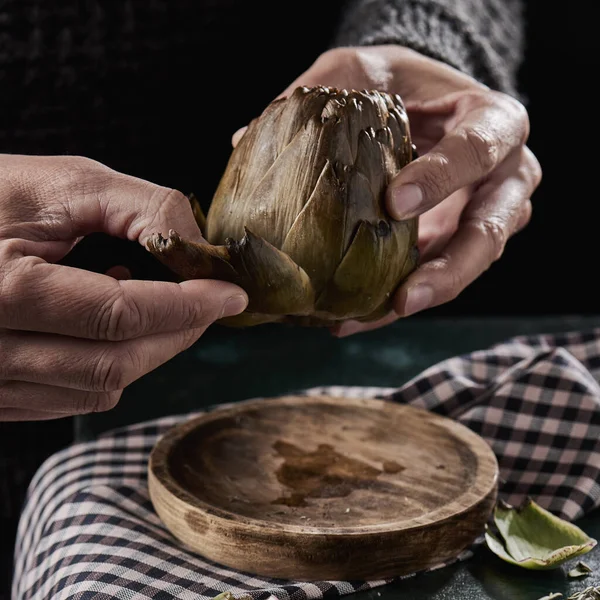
pixel 88 530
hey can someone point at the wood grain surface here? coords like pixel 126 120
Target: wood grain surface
pixel 314 488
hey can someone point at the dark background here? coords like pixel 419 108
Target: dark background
pixel 549 268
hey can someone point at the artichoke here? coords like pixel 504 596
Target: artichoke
pixel 298 219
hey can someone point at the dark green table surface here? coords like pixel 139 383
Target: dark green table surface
pixel 230 365
pixel 486 577
pixel 227 365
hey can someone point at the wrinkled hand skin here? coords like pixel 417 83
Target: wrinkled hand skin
pixel 472 183
pixel 72 340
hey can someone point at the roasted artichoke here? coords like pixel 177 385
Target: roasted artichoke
pixel 299 220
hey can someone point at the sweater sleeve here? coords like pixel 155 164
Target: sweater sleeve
pixel 483 38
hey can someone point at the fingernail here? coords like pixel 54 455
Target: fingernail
pixel 406 200
pixel 418 298
pixel 237 136
pixel 234 306
pixel 348 328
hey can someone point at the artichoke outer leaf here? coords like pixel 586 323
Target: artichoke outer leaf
pixel 376 261
pixel 238 179
pixel 496 546
pixel 386 306
pixel 192 260
pixel 268 214
pixel 275 284
pixel 320 219
pixel 534 538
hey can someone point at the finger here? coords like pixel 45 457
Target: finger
pixel 494 214
pixel 88 197
pixel 525 216
pixel 24 414
pixel 84 364
pixel 351 327
pixel 237 136
pixel 483 129
pixel 439 224
pixel 38 398
pixel 37 296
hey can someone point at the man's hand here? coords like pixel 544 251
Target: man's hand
pixel 473 181
pixel 71 340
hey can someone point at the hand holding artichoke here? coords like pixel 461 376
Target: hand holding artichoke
pixel 299 220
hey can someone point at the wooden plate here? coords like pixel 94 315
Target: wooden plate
pixel 320 488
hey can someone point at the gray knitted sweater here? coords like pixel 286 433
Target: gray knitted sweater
pixel 483 38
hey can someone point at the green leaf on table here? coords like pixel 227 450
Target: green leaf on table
pixel 533 538
pixel 580 570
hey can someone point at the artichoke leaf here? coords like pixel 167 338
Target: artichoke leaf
pixel 192 260
pixel 318 226
pixel 534 538
pixel 360 201
pixel 375 263
pixel 259 134
pixel 275 284
pixel 198 213
pixel 303 105
pixel 271 204
pixel 386 306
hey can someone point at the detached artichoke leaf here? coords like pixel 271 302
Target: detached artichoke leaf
pixel 533 538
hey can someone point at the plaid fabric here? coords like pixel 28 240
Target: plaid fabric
pixel 88 530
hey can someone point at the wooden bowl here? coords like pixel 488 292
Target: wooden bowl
pixel 320 488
